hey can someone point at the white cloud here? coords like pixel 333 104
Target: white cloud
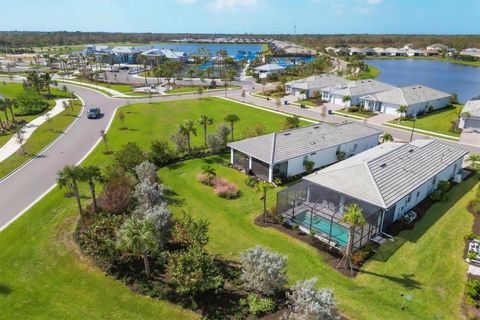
pixel 221 5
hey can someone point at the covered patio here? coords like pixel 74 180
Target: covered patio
pixel 318 210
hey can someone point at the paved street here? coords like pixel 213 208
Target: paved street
pixel 38 176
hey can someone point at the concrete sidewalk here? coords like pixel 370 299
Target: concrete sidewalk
pixel 13 145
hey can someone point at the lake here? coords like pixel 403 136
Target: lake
pixel 189 48
pixel 445 76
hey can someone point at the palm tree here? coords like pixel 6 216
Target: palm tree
pixel 103 135
pixel 386 137
pixel 47 80
pixel 205 121
pixel 263 187
pixel 191 72
pixel 34 80
pixel 92 175
pixel 3 107
pixel 209 172
pixel 474 158
pixel 354 217
pixel 208 71
pixel 187 128
pixel 68 177
pixel 345 99
pixel 402 110
pixel 137 237
pixel 232 118
pixel 9 104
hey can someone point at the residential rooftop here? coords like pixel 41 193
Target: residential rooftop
pixel 389 172
pixel 270 67
pixel 472 107
pixel 360 87
pixel 408 95
pixel 281 146
pixel 317 81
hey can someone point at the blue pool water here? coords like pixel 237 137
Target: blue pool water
pixel 339 233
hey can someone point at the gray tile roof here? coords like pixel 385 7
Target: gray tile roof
pixel 284 145
pixel 270 67
pixel 317 82
pixel 360 87
pixel 408 95
pixel 387 173
pixel 473 108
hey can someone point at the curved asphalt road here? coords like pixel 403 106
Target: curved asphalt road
pixel 38 176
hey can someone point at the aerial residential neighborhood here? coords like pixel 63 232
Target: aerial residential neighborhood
pixel 255 159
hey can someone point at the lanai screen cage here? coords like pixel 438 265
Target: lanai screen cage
pixel 317 209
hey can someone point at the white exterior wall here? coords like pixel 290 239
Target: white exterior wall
pixel 424 190
pixel 329 156
pixel 466 123
pixel 413 109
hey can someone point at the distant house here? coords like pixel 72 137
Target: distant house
pixel 155 54
pixel 269 69
pixel 437 47
pixel 386 182
pixel 125 54
pixel 473 52
pixel 416 98
pixel 354 90
pixel 306 88
pixel 470 115
pixel 283 154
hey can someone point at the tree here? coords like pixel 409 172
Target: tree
pixel 291 122
pixel 103 135
pixel 453 99
pixel 193 271
pixel 209 172
pixel 47 80
pixel 118 194
pixel 121 116
pixel 345 99
pixel 188 232
pixel 263 271
pixel 402 110
pixel 161 217
pixel 187 128
pixel 353 216
pixel 9 105
pixel 137 237
pixel 262 188
pixel 200 92
pixel 69 177
pixel 307 302
pixel 205 121
pixel 257 130
pixel 160 152
pixel 129 156
pixel 386 137
pixel 191 72
pixel 232 118
pixel 146 171
pixel 92 175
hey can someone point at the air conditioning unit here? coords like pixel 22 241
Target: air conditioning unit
pixel 457 178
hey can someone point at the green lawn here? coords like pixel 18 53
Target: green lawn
pixel 43 277
pixel 123 88
pixel 194 89
pixel 372 73
pixel 40 138
pixel 363 114
pixel 439 121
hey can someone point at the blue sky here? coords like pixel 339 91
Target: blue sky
pixel 245 16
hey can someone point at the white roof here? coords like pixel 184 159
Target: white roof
pixel 473 108
pixel 389 172
pixel 317 82
pixel 407 95
pixel 359 87
pixel 270 67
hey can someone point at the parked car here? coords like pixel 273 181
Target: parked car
pixel 93 113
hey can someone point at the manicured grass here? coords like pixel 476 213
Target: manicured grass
pixel 427 263
pixel 194 89
pixel 439 121
pixel 363 114
pixel 123 88
pixel 372 73
pixel 468 63
pixel 40 138
pixel 45 278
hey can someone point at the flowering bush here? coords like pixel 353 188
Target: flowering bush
pixel 224 189
pixel 204 179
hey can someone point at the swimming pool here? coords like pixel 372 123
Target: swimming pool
pixel 320 224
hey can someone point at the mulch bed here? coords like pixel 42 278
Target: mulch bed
pixel 331 256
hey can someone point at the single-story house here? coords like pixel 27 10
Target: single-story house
pixel 386 182
pixel 416 98
pixel 155 54
pixel 437 47
pixel 306 88
pixel 470 116
pixel 125 54
pixel 284 154
pixel 354 90
pixel 269 69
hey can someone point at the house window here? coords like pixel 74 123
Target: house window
pixel 409 198
pixel 418 194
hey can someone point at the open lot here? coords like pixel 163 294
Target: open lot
pixel 42 275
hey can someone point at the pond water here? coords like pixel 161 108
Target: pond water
pixel 445 76
pixel 189 48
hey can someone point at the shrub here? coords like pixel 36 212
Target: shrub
pixel 188 232
pixel 98 239
pixel 160 153
pixel 258 305
pixel 472 255
pixel 435 195
pixel 472 289
pixel 225 189
pixel 203 179
pixel 308 165
pixel 118 195
pixel 254 131
pixel 475 205
pixel 444 186
pixel 430 109
pixel 30 102
pixel 263 271
pixel 130 156
pixel 251 182
pixel 362 254
pixel 353 109
pixel 277 181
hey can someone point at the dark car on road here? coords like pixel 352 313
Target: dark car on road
pixel 93 113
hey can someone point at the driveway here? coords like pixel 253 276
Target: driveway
pixel 381 118
pixel 471 137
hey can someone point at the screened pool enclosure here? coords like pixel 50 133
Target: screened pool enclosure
pixel 319 210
